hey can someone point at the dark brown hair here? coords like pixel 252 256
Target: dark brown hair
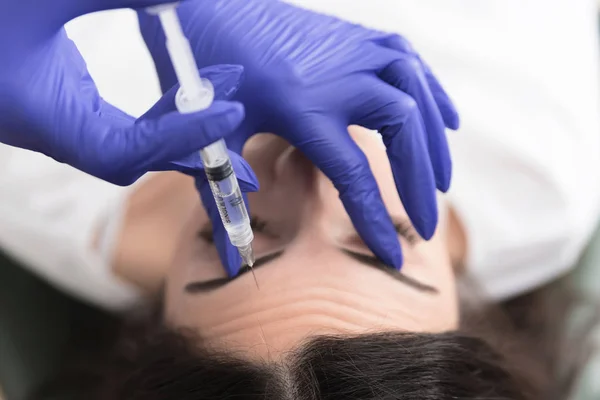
pixel 502 352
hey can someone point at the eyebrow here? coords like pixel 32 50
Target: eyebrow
pixel 398 275
pixel 206 286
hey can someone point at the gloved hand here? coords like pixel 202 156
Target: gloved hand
pixel 49 103
pixel 308 77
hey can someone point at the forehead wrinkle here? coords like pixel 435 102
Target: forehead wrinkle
pixel 319 305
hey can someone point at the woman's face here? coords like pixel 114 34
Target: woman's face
pixel 315 275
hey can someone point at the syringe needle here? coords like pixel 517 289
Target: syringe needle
pixel 247 255
pixel 254 275
pixel 196 94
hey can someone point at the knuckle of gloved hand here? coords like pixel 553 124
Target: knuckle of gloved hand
pixel 401 113
pixel 399 43
pixel 407 107
pixel 412 65
pixel 403 74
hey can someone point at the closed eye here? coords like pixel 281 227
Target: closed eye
pixel 405 229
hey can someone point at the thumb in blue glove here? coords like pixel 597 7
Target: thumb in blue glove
pixel 225 79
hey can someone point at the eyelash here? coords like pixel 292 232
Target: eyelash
pixel 408 232
pixel 256 224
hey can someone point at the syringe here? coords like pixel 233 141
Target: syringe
pixel 197 94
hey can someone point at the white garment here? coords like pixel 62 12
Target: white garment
pixel 526 181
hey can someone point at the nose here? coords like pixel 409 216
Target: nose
pixel 293 168
pixel 310 192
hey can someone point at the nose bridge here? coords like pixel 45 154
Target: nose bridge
pixel 293 167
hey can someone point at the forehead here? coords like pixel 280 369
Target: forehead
pixel 312 288
pixel 308 293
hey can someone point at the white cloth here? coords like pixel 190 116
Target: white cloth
pixel 49 217
pixel 526 181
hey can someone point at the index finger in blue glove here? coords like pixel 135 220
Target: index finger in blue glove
pixel 407 75
pixel 226 80
pixel 397 117
pixel 148 143
pixel 248 182
pixel 443 101
pixel 349 171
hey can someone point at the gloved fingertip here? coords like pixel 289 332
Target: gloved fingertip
pixel 425 225
pixel 393 257
pixel 418 195
pixel 232 111
pixel 451 119
pixel 207 126
pixel 226 79
pixel 373 223
pixel 443 177
pixel 442 184
pixel 449 114
pixel 224 108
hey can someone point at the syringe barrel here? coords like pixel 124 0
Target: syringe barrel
pixel 223 182
pixel 196 94
pixel 230 203
pixel 214 155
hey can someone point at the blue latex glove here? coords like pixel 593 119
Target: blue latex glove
pixel 49 103
pixel 308 77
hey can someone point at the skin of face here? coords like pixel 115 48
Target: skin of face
pixel 312 286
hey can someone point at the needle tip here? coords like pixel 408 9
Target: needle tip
pixel 247 255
